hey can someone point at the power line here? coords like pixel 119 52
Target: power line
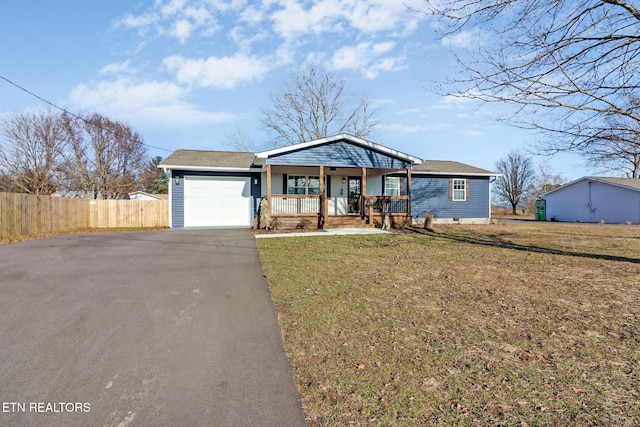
pixel 76 115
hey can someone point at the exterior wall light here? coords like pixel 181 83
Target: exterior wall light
pixel 177 180
pixel 344 180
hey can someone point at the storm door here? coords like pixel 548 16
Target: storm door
pixel 354 192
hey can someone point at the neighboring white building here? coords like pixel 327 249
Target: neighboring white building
pixel 595 199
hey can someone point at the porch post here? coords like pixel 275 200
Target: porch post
pixel 363 193
pixel 321 199
pixel 269 186
pixel 409 192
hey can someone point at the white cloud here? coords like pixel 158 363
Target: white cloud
pixel 293 19
pixel 179 18
pixel 140 21
pixel 382 15
pixel 452 101
pixel 172 7
pixel 182 30
pixel 417 128
pixel 221 73
pixel 465 39
pixel 366 57
pixel 472 133
pixel 117 68
pixel 159 103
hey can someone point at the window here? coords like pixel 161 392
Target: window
pixel 392 186
pixel 298 184
pixel 459 190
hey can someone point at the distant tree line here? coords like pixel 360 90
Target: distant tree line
pixel 89 156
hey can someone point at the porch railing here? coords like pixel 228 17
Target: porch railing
pixel 302 204
pixel 295 204
pixel 386 204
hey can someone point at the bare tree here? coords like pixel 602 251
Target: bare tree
pixel 517 178
pixel 617 147
pixel 565 65
pixel 242 140
pixel 31 155
pixel 105 159
pixel 546 179
pixel 315 105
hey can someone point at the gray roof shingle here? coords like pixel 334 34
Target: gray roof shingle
pixel 627 182
pixel 449 167
pixel 209 159
pixel 234 159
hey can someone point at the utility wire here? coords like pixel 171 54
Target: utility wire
pixel 76 115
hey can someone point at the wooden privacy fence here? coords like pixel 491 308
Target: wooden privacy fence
pixel 128 213
pixel 26 214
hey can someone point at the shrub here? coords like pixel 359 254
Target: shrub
pixel 304 223
pixel 275 223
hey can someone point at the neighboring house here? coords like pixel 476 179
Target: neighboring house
pixel 141 195
pixel 595 199
pixel 332 182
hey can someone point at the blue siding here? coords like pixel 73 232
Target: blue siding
pixel 177 197
pixel 338 154
pixel 177 200
pixel 431 194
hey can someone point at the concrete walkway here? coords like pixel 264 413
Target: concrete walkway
pixel 172 328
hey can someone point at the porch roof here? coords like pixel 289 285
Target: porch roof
pixel 447 167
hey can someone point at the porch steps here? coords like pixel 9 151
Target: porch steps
pixel 346 222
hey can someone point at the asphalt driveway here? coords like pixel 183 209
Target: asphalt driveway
pixel 171 328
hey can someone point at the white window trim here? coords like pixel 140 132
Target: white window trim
pixel 307 178
pixel 395 188
pixel 464 190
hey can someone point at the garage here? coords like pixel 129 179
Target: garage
pixel 220 201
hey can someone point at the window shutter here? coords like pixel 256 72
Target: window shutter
pixel 450 188
pixel 466 190
pixel 284 184
pixel 328 186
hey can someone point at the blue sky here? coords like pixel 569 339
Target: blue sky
pixel 190 73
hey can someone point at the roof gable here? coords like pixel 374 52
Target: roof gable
pixel 343 150
pixel 627 183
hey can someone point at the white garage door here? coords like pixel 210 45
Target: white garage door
pixel 217 202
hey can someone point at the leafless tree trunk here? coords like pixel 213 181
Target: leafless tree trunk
pixel 516 182
pixel 566 66
pixel 315 105
pixel 31 153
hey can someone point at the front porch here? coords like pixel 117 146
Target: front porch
pixel 337 197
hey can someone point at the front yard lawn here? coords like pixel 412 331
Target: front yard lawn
pixel 530 324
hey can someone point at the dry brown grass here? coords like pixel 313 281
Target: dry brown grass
pixel 531 324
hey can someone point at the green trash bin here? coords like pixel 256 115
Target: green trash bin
pixel 541 207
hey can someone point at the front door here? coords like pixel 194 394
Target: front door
pixel 354 192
